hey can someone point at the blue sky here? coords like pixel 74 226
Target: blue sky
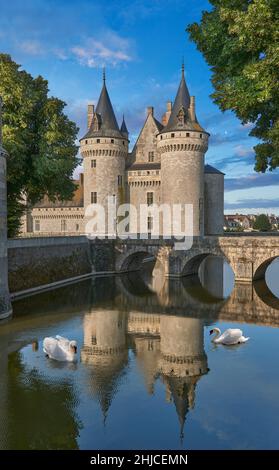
pixel 141 43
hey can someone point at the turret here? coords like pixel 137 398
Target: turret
pixel 182 144
pixel 104 149
pixel 123 129
pixel 5 303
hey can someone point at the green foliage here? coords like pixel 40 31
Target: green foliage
pixel 262 223
pixel 240 41
pixel 39 138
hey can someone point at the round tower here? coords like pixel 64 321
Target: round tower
pixel 182 144
pixel 104 149
pixel 5 302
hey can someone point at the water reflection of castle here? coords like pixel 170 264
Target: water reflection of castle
pixel 166 347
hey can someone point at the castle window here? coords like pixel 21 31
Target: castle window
pixel 172 135
pixel 93 163
pixel 86 141
pixel 151 156
pixel 149 198
pixel 37 226
pixel 112 141
pixel 123 142
pixel 149 223
pixel 200 136
pixel 98 141
pixel 119 180
pixel 93 340
pixel 63 225
pixel 187 134
pixel 93 198
pixel 161 137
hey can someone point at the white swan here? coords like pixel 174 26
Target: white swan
pixel 60 349
pixel 229 337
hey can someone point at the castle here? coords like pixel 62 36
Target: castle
pixel 166 166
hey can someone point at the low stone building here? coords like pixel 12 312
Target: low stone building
pixel 166 166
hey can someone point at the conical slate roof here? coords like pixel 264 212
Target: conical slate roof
pixel 182 99
pixel 105 113
pixel 123 128
pixel 182 105
pixel 105 109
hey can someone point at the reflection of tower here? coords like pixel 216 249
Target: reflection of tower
pixel 211 275
pixel 106 351
pixel 144 333
pixel 183 361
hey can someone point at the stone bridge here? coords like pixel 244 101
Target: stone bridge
pixel 248 256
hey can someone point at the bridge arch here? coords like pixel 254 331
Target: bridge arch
pixel 262 267
pixel 131 259
pixel 191 264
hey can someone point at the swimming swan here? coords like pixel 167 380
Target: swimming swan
pixel 229 337
pixel 60 349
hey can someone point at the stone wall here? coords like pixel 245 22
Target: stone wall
pixel 37 261
pixel 213 203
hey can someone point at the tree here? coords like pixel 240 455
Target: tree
pixel 39 138
pixel 240 41
pixel 262 223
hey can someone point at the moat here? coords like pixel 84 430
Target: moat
pixel 147 374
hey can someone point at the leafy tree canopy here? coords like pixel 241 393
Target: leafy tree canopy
pixel 262 223
pixel 39 138
pixel 240 41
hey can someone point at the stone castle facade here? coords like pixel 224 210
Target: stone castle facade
pixel 166 166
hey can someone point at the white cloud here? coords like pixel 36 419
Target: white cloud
pixel 32 47
pixel 242 151
pixel 112 50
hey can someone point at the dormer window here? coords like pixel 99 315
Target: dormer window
pixel 97 122
pixel 181 116
pixel 151 156
pixel 172 135
pixel 112 141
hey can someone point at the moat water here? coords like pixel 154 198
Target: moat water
pixel 147 374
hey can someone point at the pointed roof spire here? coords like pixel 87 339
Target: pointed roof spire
pixel 123 128
pixel 107 121
pixel 182 101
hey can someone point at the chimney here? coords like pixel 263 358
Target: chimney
pixel 166 116
pixel 169 106
pixel 150 110
pixel 90 114
pixel 192 109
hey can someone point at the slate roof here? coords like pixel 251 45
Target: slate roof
pixel 109 126
pixel 211 169
pixel 77 200
pixel 182 101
